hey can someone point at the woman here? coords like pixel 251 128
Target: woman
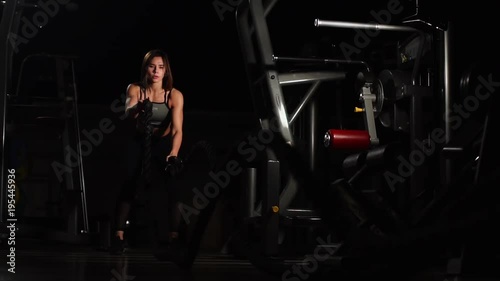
pixel 153 94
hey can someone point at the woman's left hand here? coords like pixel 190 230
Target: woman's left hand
pixel 174 165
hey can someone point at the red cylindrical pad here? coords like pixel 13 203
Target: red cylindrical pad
pixel 348 139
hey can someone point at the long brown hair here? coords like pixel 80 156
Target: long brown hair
pixel 167 82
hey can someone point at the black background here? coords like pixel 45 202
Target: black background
pixel 110 38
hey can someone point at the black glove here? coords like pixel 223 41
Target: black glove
pixel 174 166
pixel 145 109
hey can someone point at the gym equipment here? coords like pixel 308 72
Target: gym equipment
pixel 45 105
pixel 347 139
pixel 389 204
pixel 276 215
pixel 51 128
pixel 9 22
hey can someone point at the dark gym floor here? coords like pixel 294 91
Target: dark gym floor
pixel 38 260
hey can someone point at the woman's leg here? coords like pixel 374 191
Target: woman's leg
pixel 129 187
pixel 123 208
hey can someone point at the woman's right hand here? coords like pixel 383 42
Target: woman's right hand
pixel 140 106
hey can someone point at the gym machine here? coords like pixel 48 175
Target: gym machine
pixel 402 169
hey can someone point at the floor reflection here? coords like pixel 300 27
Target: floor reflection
pixel 50 262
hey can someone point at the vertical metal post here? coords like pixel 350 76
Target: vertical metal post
pixel 72 216
pixel 81 174
pixel 447 91
pixel 311 134
pixel 271 188
pixel 249 193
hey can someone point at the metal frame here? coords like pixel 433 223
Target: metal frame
pixel 417 93
pixel 266 84
pixel 9 25
pixel 68 104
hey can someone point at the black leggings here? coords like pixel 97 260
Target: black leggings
pixel 132 186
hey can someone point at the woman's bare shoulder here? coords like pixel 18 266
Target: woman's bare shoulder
pixel 176 94
pixel 175 91
pixel 133 87
pixel 176 97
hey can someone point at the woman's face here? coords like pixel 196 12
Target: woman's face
pixel 156 70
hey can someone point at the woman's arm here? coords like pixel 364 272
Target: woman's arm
pixel 177 107
pixel 132 105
